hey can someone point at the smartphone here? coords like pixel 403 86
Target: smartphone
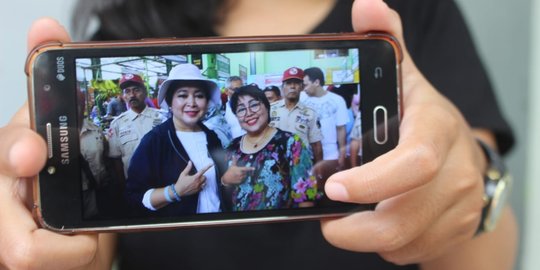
pixel 82 189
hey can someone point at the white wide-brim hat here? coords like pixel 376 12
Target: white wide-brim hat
pixel 189 72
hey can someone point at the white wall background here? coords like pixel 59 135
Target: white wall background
pixel 531 258
pixel 507 34
pixel 507 37
pixel 15 20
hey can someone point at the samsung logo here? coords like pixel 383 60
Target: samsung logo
pixel 60 68
pixel 64 139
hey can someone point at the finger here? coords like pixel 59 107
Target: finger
pixel 187 169
pixel 376 16
pixel 398 221
pixel 44 30
pixel 394 223
pixel 425 142
pixel 21 117
pixel 246 169
pixel 22 151
pixel 203 171
pixel 26 246
pixel 455 226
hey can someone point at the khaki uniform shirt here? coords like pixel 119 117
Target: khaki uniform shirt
pixel 300 120
pixel 127 130
pixel 92 147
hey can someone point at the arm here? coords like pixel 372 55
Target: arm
pixel 342 145
pixel 118 171
pixel 355 148
pixel 440 205
pixel 316 148
pixel 185 185
pixel 23 243
pixel 315 136
pixel 356 140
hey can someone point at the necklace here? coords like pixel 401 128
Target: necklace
pixel 259 140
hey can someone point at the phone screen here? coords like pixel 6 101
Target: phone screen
pixel 314 115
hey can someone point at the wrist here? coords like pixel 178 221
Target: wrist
pixel 167 195
pixel 223 183
pixel 175 194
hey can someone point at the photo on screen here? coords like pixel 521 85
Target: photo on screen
pixel 297 122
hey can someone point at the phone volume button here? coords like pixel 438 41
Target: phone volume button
pixel 48 127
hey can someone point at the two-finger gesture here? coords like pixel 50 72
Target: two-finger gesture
pixel 191 184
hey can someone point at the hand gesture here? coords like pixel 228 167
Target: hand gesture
pixel 191 184
pixel 235 174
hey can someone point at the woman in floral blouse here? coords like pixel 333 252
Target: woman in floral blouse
pixel 268 168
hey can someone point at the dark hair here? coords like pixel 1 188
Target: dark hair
pixel 273 88
pixel 315 73
pixel 346 91
pixel 252 91
pixel 234 78
pixel 177 84
pixel 135 19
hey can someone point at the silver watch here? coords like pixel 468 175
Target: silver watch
pixel 497 182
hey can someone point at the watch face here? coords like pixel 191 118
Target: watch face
pixel 499 195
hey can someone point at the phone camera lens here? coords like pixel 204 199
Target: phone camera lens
pixel 47 87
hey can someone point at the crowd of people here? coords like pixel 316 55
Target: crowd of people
pixel 281 144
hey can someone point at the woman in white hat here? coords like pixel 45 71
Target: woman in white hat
pixel 176 166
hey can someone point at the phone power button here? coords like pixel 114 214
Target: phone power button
pixel 380 125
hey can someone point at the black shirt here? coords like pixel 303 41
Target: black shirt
pixel 441 46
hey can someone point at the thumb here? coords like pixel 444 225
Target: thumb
pixel 377 16
pixel 46 29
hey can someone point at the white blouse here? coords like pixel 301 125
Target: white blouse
pixel 195 144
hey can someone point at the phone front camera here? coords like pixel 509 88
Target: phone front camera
pixel 47 87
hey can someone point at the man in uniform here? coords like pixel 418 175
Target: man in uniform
pixel 272 93
pixel 128 128
pixel 290 115
pixel 233 83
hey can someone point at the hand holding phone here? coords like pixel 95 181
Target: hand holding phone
pixel 152 150
pixel 429 187
pixel 23 242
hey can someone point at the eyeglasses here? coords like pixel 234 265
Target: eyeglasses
pixel 253 105
pixel 133 89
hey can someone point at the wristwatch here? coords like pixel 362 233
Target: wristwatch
pixel 497 182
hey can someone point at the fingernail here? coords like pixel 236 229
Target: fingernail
pixel 336 191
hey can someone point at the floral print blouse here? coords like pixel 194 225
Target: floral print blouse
pixel 282 177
